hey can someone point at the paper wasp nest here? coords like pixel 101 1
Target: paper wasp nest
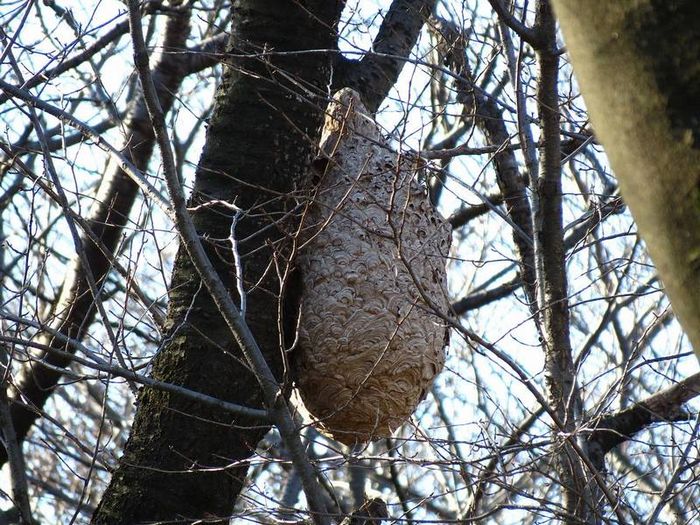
pixel 373 270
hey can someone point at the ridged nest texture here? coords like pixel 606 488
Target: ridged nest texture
pixel 373 271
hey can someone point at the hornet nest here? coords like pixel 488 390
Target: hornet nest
pixel 373 272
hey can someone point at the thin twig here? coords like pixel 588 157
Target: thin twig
pixel 99 364
pixel 89 132
pixel 675 477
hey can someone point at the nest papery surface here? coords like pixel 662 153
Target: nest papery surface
pixel 373 269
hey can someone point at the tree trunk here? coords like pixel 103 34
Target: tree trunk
pixel 638 63
pixel 184 461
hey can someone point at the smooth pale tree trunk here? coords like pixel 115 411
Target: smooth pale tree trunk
pixel 638 63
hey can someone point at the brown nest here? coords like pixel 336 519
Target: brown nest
pixel 373 269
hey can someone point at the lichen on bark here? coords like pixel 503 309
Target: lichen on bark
pixel 672 47
pixel 637 63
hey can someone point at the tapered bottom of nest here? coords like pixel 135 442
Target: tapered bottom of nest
pixel 360 418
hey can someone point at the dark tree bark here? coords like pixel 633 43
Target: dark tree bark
pixel 184 461
pixel 551 275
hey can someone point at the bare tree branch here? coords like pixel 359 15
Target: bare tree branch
pixel 611 430
pixel 375 74
pixel 489 118
pixel 76 306
pixel 467 213
pixel 112 36
pixel 101 365
pixel 528 34
pixel 8 438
